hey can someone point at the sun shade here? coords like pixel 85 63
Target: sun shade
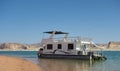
pixel 56 32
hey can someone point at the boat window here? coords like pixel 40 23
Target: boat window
pixel 49 46
pixel 70 46
pixel 59 46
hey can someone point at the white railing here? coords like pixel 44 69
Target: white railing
pixel 74 38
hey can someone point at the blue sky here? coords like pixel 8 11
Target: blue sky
pixel 23 21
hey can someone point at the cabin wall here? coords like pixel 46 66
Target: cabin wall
pixel 63 50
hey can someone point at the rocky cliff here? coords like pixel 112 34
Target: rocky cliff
pixel 114 45
pixel 17 46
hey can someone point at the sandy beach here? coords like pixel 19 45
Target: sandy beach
pixel 17 64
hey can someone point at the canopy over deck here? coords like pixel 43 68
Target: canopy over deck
pixel 56 32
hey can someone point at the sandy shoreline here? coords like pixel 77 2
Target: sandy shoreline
pixel 8 63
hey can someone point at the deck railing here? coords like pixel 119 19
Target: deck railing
pixel 73 39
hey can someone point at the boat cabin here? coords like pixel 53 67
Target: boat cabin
pixel 66 45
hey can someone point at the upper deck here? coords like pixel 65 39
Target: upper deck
pixel 66 38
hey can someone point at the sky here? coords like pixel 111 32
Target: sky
pixel 24 21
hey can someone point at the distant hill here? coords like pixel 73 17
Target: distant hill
pixel 18 46
pixel 36 44
pixel 114 45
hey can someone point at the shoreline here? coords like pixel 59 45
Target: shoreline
pixel 16 50
pixel 38 50
pixel 10 63
pixel 111 50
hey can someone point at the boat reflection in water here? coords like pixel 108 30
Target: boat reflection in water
pixel 69 65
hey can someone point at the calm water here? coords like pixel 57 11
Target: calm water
pixel 111 64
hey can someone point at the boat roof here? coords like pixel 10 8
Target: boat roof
pixel 56 32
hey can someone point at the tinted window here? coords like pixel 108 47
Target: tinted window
pixel 49 46
pixel 59 46
pixel 70 47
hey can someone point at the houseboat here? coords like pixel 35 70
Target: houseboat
pixel 68 47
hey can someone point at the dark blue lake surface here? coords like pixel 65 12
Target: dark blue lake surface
pixel 111 64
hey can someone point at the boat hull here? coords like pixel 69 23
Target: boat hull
pixel 59 56
pixel 78 57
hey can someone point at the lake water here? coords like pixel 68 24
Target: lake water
pixel 111 64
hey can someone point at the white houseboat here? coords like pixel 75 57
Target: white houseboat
pixel 68 48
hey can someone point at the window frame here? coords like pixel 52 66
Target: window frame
pixel 59 46
pixel 49 46
pixel 70 46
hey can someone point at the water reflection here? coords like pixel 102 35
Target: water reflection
pixel 69 65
